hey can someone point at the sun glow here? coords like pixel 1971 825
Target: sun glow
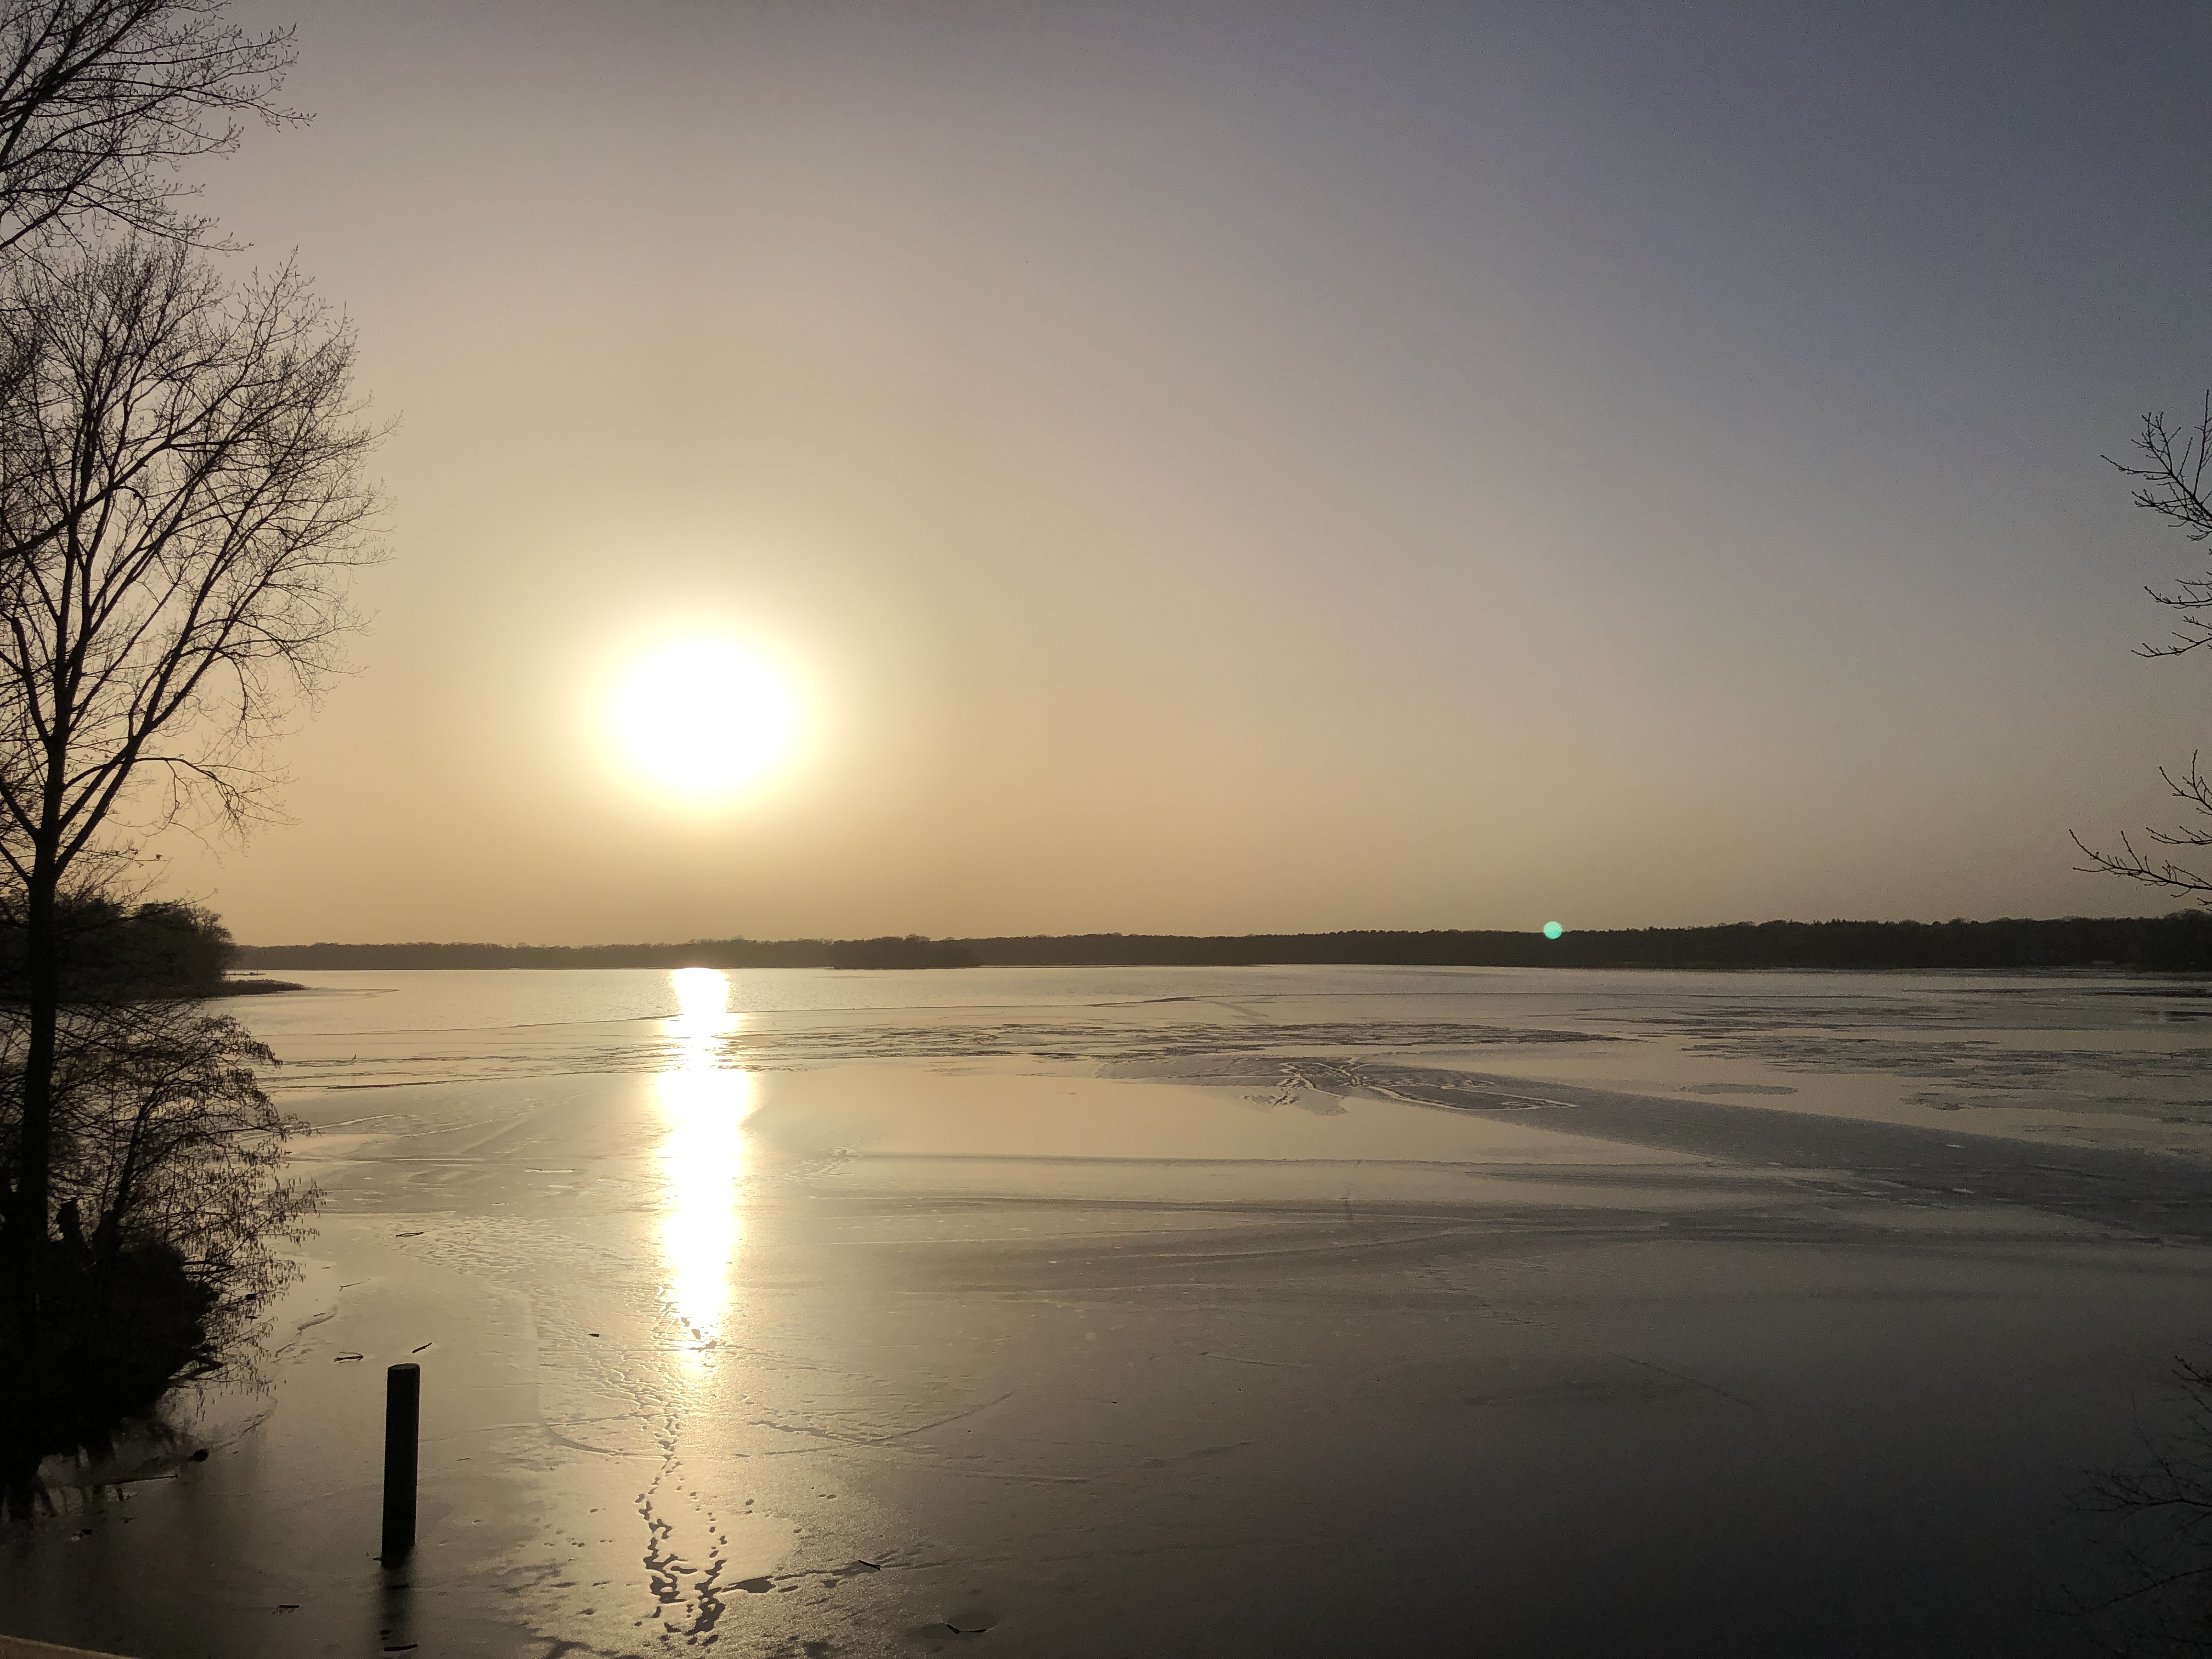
pixel 703 718
pixel 703 1160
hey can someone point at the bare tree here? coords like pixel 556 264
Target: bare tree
pixel 182 508
pixel 103 101
pixel 2170 473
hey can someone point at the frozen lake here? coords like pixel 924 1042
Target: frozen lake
pixel 1101 1311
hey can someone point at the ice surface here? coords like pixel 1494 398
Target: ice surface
pixel 1111 1311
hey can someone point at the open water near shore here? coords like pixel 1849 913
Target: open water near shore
pixel 1182 1311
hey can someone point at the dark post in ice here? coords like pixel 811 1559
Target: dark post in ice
pixel 403 1421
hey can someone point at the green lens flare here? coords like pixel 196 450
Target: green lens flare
pixel 1552 930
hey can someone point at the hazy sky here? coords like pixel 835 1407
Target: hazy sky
pixel 1225 467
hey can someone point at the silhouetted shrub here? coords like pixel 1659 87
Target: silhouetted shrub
pixel 170 1206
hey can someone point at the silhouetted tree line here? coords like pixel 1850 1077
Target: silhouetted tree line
pixel 113 952
pixel 2181 942
pixel 912 950
pixel 2178 942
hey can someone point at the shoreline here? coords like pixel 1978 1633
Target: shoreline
pixel 254 986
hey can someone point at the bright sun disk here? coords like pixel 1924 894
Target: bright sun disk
pixel 703 718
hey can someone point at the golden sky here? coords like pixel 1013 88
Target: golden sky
pixel 1226 467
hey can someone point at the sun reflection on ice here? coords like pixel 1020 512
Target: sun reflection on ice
pixel 702 1156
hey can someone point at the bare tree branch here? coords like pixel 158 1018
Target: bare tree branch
pixel 182 518
pixel 103 101
pixel 2160 1541
pixel 2171 476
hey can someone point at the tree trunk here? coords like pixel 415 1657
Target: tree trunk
pixel 30 1216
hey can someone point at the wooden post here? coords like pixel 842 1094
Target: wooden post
pixel 402 1423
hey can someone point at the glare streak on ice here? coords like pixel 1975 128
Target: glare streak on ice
pixel 703 1158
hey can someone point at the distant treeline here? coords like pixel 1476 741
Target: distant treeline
pixel 2176 943
pixel 911 952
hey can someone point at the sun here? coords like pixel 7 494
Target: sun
pixel 703 718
